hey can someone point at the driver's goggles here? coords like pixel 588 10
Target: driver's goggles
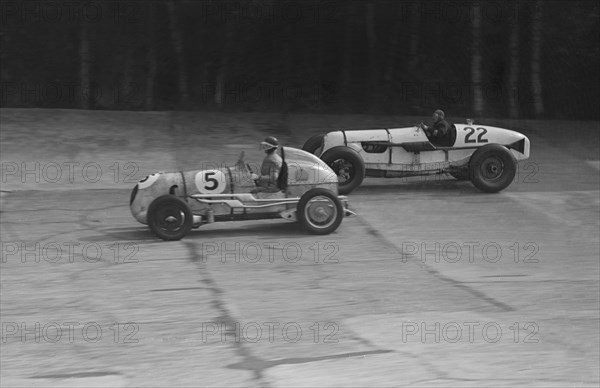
pixel 266 146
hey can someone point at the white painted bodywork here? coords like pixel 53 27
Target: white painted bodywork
pixel 228 190
pixel 426 158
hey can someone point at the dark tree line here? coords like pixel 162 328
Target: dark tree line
pixel 513 58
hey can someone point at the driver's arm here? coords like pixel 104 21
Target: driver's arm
pixel 427 130
pixel 440 129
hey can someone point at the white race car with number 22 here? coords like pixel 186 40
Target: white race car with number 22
pixel 485 155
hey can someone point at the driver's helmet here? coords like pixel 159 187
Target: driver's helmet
pixel 268 143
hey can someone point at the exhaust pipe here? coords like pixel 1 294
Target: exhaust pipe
pixel 349 213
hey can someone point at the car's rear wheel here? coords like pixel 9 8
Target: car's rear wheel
pixel 347 165
pixel 313 143
pixel 169 217
pixel 320 211
pixel 492 168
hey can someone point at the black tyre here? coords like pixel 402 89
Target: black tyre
pixel 320 211
pixel 169 217
pixel 313 143
pixel 492 168
pixel 347 165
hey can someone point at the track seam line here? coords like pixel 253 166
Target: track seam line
pixel 478 294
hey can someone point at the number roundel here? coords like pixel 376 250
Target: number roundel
pixel 148 181
pixel 211 181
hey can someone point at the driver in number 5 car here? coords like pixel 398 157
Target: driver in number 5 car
pixel 271 165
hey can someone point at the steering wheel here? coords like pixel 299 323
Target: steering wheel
pixel 243 164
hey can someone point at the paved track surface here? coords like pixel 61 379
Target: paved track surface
pixel 433 284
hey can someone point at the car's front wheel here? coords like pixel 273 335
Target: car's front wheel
pixel 347 165
pixel 492 168
pixel 320 211
pixel 169 217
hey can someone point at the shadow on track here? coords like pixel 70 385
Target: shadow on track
pixel 399 185
pixel 283 229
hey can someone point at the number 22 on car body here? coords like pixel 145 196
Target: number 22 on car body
pixel 471 132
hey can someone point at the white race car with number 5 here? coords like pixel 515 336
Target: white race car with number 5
pixel 174 202
pixel 485 155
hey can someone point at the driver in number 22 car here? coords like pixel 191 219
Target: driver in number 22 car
pixel 438 129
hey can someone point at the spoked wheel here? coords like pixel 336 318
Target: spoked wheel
pixel 344 170
pixel 320 211
pixel 492 168
pixel 347 165
pixel 169 217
